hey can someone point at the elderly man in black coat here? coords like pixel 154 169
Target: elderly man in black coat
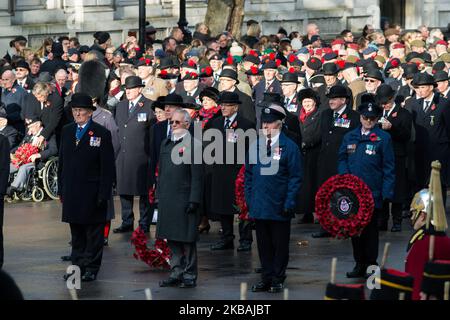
pixel 85 178
pixel 223 176
pixel 179 194
pixel 134 117
pixel 4 174
pixel 335 122
pixel 397 121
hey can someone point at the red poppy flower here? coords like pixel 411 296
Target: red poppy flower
pixel 141 104
pixel 278 62
pixel 394 63
pixel 148 61
pixel 253 53
pixel 313 60
pixel 272 56
pixel 208 70
pixel 311 51
pixel 141 59
pixel 344 116
pixel 291 69
pixel 340 64
pixel 433 107
pixel 373 137
pixel 91 133
pixel 137 49
pixel 254 69
pixel 191 63
pixel 292 58
pixel 230 60
pixel 164 72
pixel 394 115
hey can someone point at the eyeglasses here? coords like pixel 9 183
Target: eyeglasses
pixel 372 119
pixel 370 80
pixel 177 122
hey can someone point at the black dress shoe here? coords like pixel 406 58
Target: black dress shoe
pixel 396 227
pixel 321 234
pixel 188 283
pixel 105 242
pixel 88 276
pixel 276 287
pixel 244 247
pixel 258 270
pixel 66 258
pixel 261 286
pixel 221 245
pixel 171 282
pixel 123 229
pixel 359 271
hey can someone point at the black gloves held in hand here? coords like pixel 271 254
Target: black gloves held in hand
pixel 192 208
pixel 288 213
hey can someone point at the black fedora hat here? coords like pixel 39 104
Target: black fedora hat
pixel 211 93
pixel 384 94
pixel 166 63
pixel 22 64
pixel 229 98
pixel 409 70
pixel 374 74
pixel 337 91
pixel 172 99
pixel 158 103
pixel 441 76
pixel 81 100
pixel 229 73
pixel 423 79
pixel 133 82
pixel 330 69
pixel 290 77
pixel 190 103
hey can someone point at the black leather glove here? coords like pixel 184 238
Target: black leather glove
pixel 192 208
pixel 101 203
pixel 288 213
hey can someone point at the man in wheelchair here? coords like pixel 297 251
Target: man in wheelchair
pixel 25 156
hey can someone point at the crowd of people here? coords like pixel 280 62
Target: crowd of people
pixel 375 106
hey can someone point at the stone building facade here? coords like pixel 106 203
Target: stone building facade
pixel 37 19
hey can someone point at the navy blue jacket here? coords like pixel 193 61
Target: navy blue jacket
pixel 372 161
pixel 268 194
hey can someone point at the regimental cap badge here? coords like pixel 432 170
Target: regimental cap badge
pixel 370 107
pixel 267 110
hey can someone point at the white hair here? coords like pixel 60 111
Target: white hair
pixel 185 114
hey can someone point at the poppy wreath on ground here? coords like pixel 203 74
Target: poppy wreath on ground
pixel 239 193
pixel 159 257
pixel 344 206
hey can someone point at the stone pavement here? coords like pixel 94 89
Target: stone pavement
pixel 35 239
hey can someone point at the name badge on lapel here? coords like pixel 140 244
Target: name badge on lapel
pixel 232 137
pixel 370 149
pixel 277 154
pixel 95 141
pixel 351 148
pixel 142 117
pixel 292 108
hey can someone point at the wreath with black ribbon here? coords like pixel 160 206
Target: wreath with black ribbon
pixel 344 205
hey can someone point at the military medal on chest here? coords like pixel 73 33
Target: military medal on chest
pixel 431 120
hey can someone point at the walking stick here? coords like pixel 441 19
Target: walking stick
pixel 333 270
pixel 385 254
pixel 243 290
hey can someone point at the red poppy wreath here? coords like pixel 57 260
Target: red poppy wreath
pixel 344 206
pixel 158 257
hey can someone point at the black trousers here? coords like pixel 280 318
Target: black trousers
pixel 272 238
pixel 126 202
pixel 2 204
pixel 184 260
pixel 87 246
pixel 396 211
pixel 245 229
pixel 365 247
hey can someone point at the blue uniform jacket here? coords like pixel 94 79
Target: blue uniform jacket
pixel 372 161
pixel 269 193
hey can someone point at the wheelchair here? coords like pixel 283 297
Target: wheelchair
pixel 42 181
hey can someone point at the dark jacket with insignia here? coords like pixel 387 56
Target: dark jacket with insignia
pixel 85 174
pixel 133 160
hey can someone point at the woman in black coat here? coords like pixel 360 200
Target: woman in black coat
pixel 310 129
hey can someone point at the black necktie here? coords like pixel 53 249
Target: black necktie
pixel 336 115
pixel 169 135
pixel 269 143
pixel 386 112
pixel 131 109
pixel 427 105
pixel 227 124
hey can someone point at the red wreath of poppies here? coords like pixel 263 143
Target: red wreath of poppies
pixel 353 225
pixel 239 193
pixel 158 257
pixel 23 153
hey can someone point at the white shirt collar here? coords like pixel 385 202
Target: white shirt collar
pixel 2 128
pixel 341 111
pixel 291 97
pixel 174 138
pixel 84 125
pixel 231 118
pixel 364 133
pixel 446 92
pixel 135 101
pixel 273 139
